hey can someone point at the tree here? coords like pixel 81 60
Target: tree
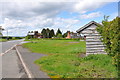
pixel 1 34
pixel 32 31
pixel 65 34
pixel 43 32
pixel 110 32
pixel 52 33
pixel 59 36
pixel 48 32
pixel 106 18
pixel 58 32
pixel 29 32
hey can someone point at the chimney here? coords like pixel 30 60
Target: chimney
pixel 68 35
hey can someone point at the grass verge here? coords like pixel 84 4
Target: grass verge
pixel 63 60
pixel 3 40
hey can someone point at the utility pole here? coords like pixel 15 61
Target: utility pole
pixel 7 33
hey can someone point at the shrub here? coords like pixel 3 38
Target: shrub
pixel 110 32
pixel 13 38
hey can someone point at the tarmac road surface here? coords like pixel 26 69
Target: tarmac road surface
pixel 11 66
pixel 7 45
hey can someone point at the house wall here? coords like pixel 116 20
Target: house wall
pixel 93 42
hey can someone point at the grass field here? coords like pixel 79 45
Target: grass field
pixel 64 61
pixel 3 40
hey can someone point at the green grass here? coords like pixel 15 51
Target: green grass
pixel 63 60
pixel 56 46
pixel 3 40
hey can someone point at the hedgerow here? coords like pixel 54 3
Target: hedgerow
pixel 110 32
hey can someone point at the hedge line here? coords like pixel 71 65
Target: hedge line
pixel 110 32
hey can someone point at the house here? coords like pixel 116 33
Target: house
pixel 93 42
pixel 68 35
pixel 30 34
pixel 34 34
pixel 72 35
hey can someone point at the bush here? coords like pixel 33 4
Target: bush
pixel 13 38
pixel 28 37
pixel 59 35
pixel 110 32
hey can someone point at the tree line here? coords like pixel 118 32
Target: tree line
pixel 49 33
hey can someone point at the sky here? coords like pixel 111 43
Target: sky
pixel 20 16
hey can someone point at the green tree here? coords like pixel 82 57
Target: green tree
pixel 27 37
pixel 110 32
pixel 48 32
pixel 0 33
pixel 32 31
pixel 29 32
pixel 58 32
pixel 52 33
pixel 59 36
pixel 43 32
pixel 65 34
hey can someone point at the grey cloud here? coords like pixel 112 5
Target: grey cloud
pixel 25 10
pixel 35 15
pixel 20 11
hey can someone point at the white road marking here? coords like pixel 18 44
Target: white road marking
pixel 24 65
pixel 22 61
pixel 8 50
pixel 1 54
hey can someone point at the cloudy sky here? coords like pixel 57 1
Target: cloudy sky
pixel 20 16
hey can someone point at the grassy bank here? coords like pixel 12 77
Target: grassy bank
pixel 64 61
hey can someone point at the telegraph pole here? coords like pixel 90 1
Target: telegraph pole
pixel 7 33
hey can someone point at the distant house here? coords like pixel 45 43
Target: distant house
pixel 34 34
pixel 93 42
pixel 72 35
pixel 31 35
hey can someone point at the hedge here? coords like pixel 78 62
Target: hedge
pixel 110 32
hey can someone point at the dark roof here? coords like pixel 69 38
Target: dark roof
pixel 87 25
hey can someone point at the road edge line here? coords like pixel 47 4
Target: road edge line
pixel 1 54
pixel 24 65
pixel 8 50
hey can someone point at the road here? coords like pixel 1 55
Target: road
pixel 11 66
pixel 7 45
